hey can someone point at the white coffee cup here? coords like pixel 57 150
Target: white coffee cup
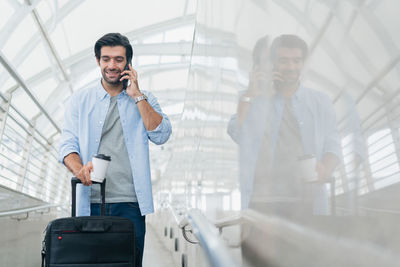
pixel 307 165
pixel 100 164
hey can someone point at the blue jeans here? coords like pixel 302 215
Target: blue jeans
pixel 128 210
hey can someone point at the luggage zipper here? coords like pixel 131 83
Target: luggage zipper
pixel 60 233
pixel 43 253
pixel 44 247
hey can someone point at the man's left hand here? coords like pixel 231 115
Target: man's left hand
pixel 133 88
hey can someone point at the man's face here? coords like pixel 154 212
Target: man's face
pixel 112 62
pixel 289 63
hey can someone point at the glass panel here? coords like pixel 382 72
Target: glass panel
pixel 375 52
pixel 283 128
pixel 180 34
pixel 147 60
pixel 6 13
pixel 16 41
pixel 169 80
pixel 38 58
pixel 46 9
pixel 170 59
pixel 24 104
pixel 11 155
pixel 61 41
pixel 156 38
pixel 82 35
pixel 7 81
pixel 383 158
pixel 44 89
pixel 384 12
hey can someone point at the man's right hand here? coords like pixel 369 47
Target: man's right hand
pixel 277 79
pixel 84 173
pixel 259 82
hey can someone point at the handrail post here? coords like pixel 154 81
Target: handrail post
pixel 44 169
pixel 25 157
pixel 5 106
pixel 209 239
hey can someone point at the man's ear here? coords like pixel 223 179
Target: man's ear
pixel 98 61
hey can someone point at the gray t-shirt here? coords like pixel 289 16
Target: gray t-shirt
pixel 280 180
pixel 119 183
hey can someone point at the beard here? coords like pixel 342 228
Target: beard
pixel 291 77
pixel 113 81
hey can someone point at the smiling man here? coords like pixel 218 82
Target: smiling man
pixel 286 123
pixel 116 118
pixel 302 125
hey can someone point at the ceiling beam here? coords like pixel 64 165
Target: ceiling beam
pixel 49 45
pixel 22 84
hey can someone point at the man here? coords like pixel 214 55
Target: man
pixel 107 118
pixel 287 122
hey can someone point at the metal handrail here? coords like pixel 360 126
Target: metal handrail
pixel 27 210
pixel 180 217
pixel 206 234
pixel 312 240
pixel 228 221
pixel 215 249
pixel 182 222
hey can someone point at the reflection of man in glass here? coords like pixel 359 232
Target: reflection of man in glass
pixel 287 122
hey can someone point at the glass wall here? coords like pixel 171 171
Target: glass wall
pixel 290 115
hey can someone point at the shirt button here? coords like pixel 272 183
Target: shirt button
pixel 97 140
pixel 100 122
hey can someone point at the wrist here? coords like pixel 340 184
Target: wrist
pixel 77 170
pixel 136 94
pixel 140 98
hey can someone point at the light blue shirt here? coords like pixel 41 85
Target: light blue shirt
pixel 83 122
pixel 316 119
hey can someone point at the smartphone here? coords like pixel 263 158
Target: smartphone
pixel 276 82
pixel 125 82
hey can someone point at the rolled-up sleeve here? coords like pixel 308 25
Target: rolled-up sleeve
pixel 161 133
pixel 69 135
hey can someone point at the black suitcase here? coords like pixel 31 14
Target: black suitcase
pixel 89 240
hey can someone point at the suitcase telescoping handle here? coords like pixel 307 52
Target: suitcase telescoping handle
pixel 74 182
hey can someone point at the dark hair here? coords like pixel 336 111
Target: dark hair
pixel 288 41
pixel 113 39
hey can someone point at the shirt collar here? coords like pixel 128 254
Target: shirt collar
pixel 101 93
pixel 298 94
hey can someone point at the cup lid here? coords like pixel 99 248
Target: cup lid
pixel 102 156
